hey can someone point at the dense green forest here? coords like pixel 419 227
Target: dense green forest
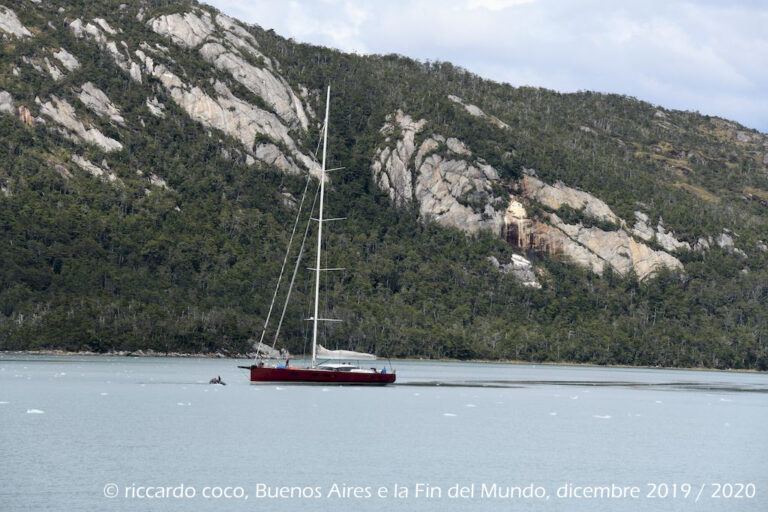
pixel 90 265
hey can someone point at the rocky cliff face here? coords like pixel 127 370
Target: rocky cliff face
pixel 225 44
pixel 454 187
pixel 441 176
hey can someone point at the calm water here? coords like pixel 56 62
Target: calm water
pixel 149 422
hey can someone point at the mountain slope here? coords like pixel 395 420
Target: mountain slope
pixel 155 156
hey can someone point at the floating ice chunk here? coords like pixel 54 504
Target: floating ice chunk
pixel 575 397
pixel 417 394
pixel 602 417
pixel 325 390
pixel 103 394
pixel 4 403
pixel 553 414
pixel 278 388
pixel 658 401
pixel 35 411
pixel 449 414
pixel 471 405
pixel 726 400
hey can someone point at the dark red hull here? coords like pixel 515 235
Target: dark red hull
pixel 315 376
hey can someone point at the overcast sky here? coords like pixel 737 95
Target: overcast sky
pixel 705 55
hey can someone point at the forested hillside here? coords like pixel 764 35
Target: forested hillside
pixel 155 153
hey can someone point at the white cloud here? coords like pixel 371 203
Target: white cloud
pixel 689 54
pixel 495 5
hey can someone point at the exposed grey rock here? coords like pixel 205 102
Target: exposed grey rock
pixel 67 59
pixel 186 29
pixel 95 170
pixel 88 30
pixel 55 72
pixel 135 72
pixel 761 246
pixel 725 241
pixel 271 154
pixel 445 190
pixel 443 185
pixel 667 239
pixel 6 103
pixel 617 249
pixel 457 146
pixel 391 167
pixel 155 107
pixel 523 272
pixel 33 63
pixel 765 159
pixel 157 181
pixel 227 113
pixel 239 36
pixel 521 269
pixel 641 229
pixel 274 91
pixel 554 196
pixel 104 25
pixel 428 146
pixel 477 112
pixel 63 113
pixel 702 244
pixel 120 57
pixel 10 24
pixel 95 99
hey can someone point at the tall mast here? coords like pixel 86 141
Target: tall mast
pixel 320 231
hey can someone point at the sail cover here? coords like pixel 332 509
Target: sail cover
pixel 324 353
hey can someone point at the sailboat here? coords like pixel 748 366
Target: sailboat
pixel 334 366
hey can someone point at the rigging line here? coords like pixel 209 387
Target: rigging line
pixel 295 268
pixel 287 252
pixel 285 260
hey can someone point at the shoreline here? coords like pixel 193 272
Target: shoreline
pixel 221 355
